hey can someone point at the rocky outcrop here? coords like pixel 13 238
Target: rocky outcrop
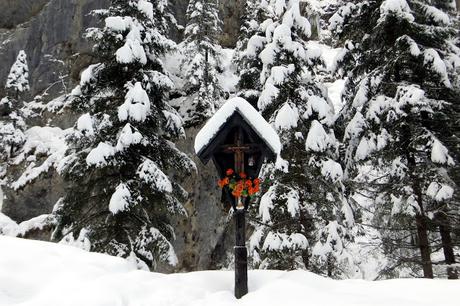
pixel 207 224
pixel 52 36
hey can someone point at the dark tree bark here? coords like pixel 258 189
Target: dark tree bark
pixel 444 231
pixel 424 246
pixel 420 218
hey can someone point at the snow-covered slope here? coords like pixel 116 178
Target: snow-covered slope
pixel 34 273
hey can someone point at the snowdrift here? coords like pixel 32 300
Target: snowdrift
pixel 45 274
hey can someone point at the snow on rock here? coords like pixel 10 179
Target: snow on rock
pixel 120 199
pixel 136 105
pixel 10 228
pixel 250 115
pixel 66 275
pixel 48 141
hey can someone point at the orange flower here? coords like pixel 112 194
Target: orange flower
pixel 226 181
pixel 229 171
pixel 250 191
pixel 236 193
pixel 256 188
pixel 248 183
pixel 257 181
pixel 243 175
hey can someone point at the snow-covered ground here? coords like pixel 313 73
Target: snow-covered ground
pixel 44 274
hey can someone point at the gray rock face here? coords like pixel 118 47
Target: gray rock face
pixel 51 35
pixel 200 239
pixel 14 12
pixel 34 200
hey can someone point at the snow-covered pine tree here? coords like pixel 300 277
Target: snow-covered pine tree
pixel 249 25
pixel 304 220
pixel 12 124
pixel 250 43
pixel 18 78
pixel 202 59
pixel 399 59
pixel 122 160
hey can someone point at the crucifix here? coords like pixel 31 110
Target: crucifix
pixel 237 137
pixel 239 149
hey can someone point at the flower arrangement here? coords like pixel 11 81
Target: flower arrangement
pixel 240 185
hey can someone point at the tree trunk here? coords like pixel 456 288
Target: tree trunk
pixel 444 230
pixel 206 68
pixel 458 5
pixel 424 246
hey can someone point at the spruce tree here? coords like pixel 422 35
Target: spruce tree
pixel 250 43
pixel 399 61
pixel 12 124
pixel 122 160
pixel 202 59
pixel 304 219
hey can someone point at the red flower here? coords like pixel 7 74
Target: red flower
pixel 256 181
pixel 239 186
pixel 223 182
pixel 236 193
pixel 243 175
pixel 230 172
pixel 248 183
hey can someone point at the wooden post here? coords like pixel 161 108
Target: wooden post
pixel 241 253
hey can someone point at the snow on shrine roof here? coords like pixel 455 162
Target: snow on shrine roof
pixel 249 114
